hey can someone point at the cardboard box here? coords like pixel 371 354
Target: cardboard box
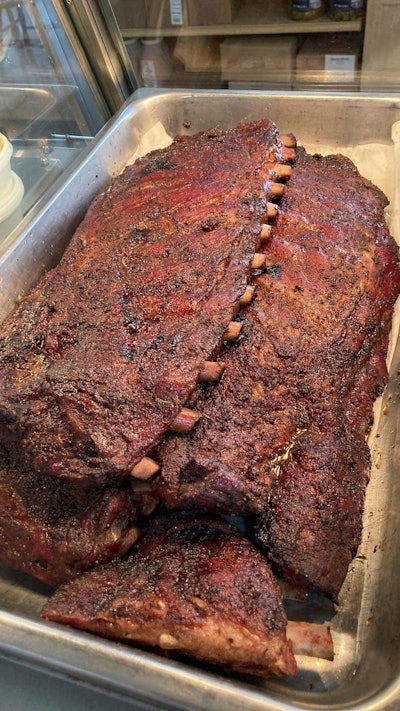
pixel 130 13
pixel 212 12
pixel 329 59
pixel 166 13
pixel 268 58
pixel 198 54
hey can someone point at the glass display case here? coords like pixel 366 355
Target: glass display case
pixel 67 67
pixel 49 104
pixel 256 44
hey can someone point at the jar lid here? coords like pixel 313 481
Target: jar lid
pixel 152 41
pixel 6 151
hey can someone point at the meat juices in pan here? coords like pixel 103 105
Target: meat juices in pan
pixel 98 360
pixel 283 434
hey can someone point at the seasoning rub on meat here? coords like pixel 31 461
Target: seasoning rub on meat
pixel 283 434
pixel 98 360
pixel 132 358
pixel 193 585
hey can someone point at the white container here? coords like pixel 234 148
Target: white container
pixel 11 190
pixel 155 62
pixel 5 167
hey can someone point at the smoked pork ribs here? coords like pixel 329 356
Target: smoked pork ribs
pixel 282 437
pixel 101 364
pixel 98 360
pixel 51 530
pixel 192 584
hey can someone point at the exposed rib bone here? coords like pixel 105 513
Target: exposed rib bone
pixel 276 189
pixel 185 421
pixel 145 469
pixel 310 639
pixel 211 371
pixel 289 154
pixel 272 210
pixel 283 171
pixel 247 295
pixel 289 140
pixel 265 232
pixel 258 260
pixel 233 331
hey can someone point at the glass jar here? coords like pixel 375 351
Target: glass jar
pixel 345 9
pixel 305 9
pixel 155 62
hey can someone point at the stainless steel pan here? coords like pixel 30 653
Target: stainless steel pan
pixel 365 674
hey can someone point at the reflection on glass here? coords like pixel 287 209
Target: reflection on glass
pixel 48 109
pixel 332 45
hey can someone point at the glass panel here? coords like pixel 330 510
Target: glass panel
pixel 50 106
pixel 344 45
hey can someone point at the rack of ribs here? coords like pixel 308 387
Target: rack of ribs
pixel 98 360
pixel 282 437
pixel 194 585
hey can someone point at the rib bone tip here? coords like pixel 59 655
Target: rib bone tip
pixel 276 189
pixel 289 140
pixel 258 260
pixel 145 469
pixel 185 420
pixel 233 331
pixel 289 154
pixel 265 232
pixel 283 171
pixel 211 371
pixel 247 295
pixel 272 210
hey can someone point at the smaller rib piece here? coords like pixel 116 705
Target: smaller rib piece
pixel 53 530
pixel 193 585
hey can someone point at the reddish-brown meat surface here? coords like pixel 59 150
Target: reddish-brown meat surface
pixel 97 361
pixel 280 435
pixel 312 525
pixel 49 530
pixel 192 584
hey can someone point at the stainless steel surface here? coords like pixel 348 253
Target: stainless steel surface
pixel 365 674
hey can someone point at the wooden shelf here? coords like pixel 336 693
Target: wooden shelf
pixel 255 18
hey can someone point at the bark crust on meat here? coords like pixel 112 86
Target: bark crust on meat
pixel 99 359
pixel 52 532
pixel 283 434
pixel 192 584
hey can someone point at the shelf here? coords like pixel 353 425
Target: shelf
pixel 255 18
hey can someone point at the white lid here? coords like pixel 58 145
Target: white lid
pixel 12 198
pixel 155 40
pixel 6 151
